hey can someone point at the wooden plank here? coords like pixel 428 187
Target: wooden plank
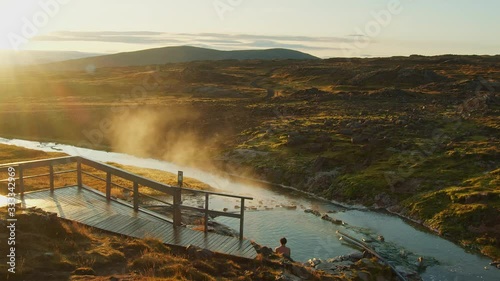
pixel 170 235
pixel 164 230
pixel 91 208
pixel 232 246
pixel 82 215
pixel 226 244
pixel 136 227
pixel 121 224
pixel 129 221
pixel 117 222
pixel 215 241
pixel 92 220
pixel 149 229
pixel 243 248
pixel 190 239
pixel 236 246
pixel 184 238
pixel 175 237
pixel 200 241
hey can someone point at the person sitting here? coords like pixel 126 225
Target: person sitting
pixel 283 249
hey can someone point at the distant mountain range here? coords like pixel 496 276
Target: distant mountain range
pixel 13 58
pixel 164 55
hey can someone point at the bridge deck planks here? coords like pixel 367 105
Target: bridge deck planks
pixel 91 208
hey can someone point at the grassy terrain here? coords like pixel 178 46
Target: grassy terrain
pixel 409 133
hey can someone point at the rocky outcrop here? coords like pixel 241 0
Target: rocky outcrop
pixel 295 139
pixel 311 94
pixel 404 76
pixel 311 211
pixel 198 253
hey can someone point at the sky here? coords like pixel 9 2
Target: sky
pixel 325 28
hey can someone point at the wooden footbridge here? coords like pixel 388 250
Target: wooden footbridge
pixel 84 204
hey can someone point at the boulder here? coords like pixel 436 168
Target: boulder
pixel 198 253
pixel 313 262
pixel 310 94
pixel 328 122
pixel 364 276
pixel 326 266
pixel 266 251
pixel 355 256
pixel 346 132
pixel 360 139
pixel 300 272
pixel 296 140
pixel 311 211
pixel 326 217
pixel 323 139
pixel 315 147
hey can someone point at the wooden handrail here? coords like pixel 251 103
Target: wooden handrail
pixel 212 212
pixel 216 193
pixel 129 176
pixel 42 162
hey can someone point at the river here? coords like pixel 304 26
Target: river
pixel 310 236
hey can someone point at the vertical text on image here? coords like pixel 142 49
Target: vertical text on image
pixel 11 220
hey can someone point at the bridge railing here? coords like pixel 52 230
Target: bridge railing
pixel 136 180
pixel 22 167
pixel 206 211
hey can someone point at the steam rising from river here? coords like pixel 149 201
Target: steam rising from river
pixel 173 135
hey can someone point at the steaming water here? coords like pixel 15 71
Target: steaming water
pixel 308 235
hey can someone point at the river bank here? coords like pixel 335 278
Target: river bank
pixel 490 248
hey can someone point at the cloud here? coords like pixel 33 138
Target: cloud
pixel 135 37
pixel 278 37
pixel 211 40
pixel 277 44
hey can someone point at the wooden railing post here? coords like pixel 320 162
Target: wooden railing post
pixel 136 196
pixel 242 213
pixel 21 180
pixel 177 207
pixel 108 186
pixel 51 172
pixel 180 178
pixel 206 213
pixel 79 172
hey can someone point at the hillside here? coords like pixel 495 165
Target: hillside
pixel 414 135
pixel 176 55
pixel 17 58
